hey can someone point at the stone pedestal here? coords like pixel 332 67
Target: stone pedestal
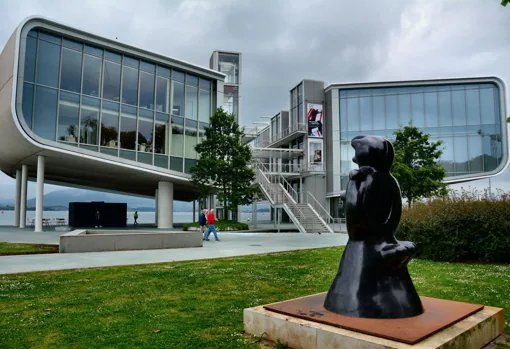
pixel 445 324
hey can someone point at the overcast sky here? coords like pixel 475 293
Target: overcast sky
pixel 285 41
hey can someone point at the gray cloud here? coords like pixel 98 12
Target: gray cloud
pixel 285 41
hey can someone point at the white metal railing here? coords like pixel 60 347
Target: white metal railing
pixel 290 168
pixel 300 127
pixel 316 205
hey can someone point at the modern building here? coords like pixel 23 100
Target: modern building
pixel 308 150
pixel 83 110
pixel 230 64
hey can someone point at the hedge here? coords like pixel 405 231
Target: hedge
pixel 459 228
pixel 222 225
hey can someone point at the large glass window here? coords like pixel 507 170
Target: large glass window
pixel 111 83
pixel 91 76
pixel 431 109
pixel 391 105
pixel 231 99
pixel 70 78
pixel 365 113
pixel 30 57
pixel 162 95
pixel 89 120
pixel 145 132
pixel 178 98
pixel 128 128
pixel 130 86
pixel 418 109
pixel 379 119
pixel 28 100
pixel 110 124
pixel 162 136
pixel 459 108
pixel 177 147
pixel 205 106
pixel 487 105
pixel 146 90
pixel 191 139
pixel 445 109
pixel 191 102
pixel 473 106
pixel 228 64
pixel 48 64
pixel 68 112
pixel 404 109
pixel 45 121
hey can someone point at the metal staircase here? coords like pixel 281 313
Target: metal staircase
pixel 280 194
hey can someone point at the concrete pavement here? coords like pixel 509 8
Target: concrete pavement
pixel 231 244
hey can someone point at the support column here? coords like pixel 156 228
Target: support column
pixel 255 215
pixel 23 199
pixel 17 198
pixel 156 208
pixel 39 194
pixel 165 205
pixel 194 210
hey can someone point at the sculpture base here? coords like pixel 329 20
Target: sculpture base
pixel 304 323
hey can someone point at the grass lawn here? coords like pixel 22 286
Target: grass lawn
pixel 197 304
pixel 8 248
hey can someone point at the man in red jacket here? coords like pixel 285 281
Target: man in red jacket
pixel 211 220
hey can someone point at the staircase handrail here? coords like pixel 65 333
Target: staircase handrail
pixel 327 215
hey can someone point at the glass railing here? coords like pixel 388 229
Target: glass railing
pixel 287 132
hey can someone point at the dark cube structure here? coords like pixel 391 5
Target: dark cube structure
pixel 83 214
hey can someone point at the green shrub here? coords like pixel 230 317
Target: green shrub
pixel 222 225
pixel 459 228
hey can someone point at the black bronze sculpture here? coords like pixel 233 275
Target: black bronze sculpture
pixel 372 279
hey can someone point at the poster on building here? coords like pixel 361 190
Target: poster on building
pixel 314 120
pixel 315 153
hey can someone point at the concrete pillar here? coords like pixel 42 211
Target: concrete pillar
pixel 165 205
pixel 156 208
pixel 17 198
pixel 23 199
pixel 39 194
pixel 194 210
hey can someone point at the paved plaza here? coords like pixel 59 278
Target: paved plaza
pixel 231 244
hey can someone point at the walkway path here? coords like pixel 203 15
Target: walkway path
pixel 231 244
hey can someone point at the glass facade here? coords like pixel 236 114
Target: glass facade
pixel 86 96
pixel 466 117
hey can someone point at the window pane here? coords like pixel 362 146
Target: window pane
pixel 50 37
pixel 69 106
pixel 130 86
pixel 445 109
pixel 379 119
pixel 391 112
pixel 48 63
pixel 30 55
pixel 201 131
pixel 191 102
pixel 149 67
pixel 176 164
pixel 91 76
pixel 487 106
pixel 188 163
pixel 178 98
pixel 178 76
pixel 162 71
pixel 458 108
pixel 89 120
pixel 111 83
pixel 343 115
pixel 70 78
pixel 33 33
pixel 96 51
pixel 146 90
pixel 128 128
pixel 162 136
pixel 109 124
pixel 205 106
pixel 161 161
pixel 365 112
pixel 300 114
pixel 473 107
pixel 431 109
pixel 162 96
pixel 145 132
pixel 190 139
pixel 475 154
pixel 132 62
pixel 231 99
pixel 73 44
pixel 205 84
pixel 447 157
pixel 177 136
pixel 28 100
pixel 404 109
pixel 353 114
pixel 112 56
pixel 229 65
pixel 418 109
pixel 191 80
pixel 45 119
pixel 461 154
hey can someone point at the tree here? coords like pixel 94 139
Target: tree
pixel 223 162
pixel 504 2
pixel 416 167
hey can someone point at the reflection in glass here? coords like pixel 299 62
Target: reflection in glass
pixel 365 113
pixel 487 106
pixel 73 44
pixel 162 137
pixel 45 119
pixel 473 107
pixel 205 106
pixel 445 109
pixel 178 98
pixel 301 119
pixel 162 71
pixel 130 86
pixel 128 127
pixel 112 56
pixel 162 96
pixel 131 62
pixel 404 109
pixel 28 100
pixel 111 81
pixel 89 120
pixel 191 102
pixel 48 64
pixel 68 112
pixel 70 76
pixel 50 37
pixel 145 131
pixel 96 51
pixel 188 163
pixel 178 76
pixel 190 139
pixel 418 109
pixel 231 99
pixel 109 124
pixel 461 155
pixel 30 55
pixel 91 76
pixel 205 84
pixel 459 108
pixel 191 80
pixel 149 67
pixel 391 105
pixel 475 154
pixel 177 147
pixel 431 109
pixel 176 164
pixel 228 64
pixel 379 119
pixel 146 90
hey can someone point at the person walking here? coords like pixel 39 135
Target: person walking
pixel 135 216
pixel 210 221
pixel 202 221
pixel 98 219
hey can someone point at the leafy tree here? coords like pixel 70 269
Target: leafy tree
pixel 504 2
pixel 416 167
pixel 223 162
